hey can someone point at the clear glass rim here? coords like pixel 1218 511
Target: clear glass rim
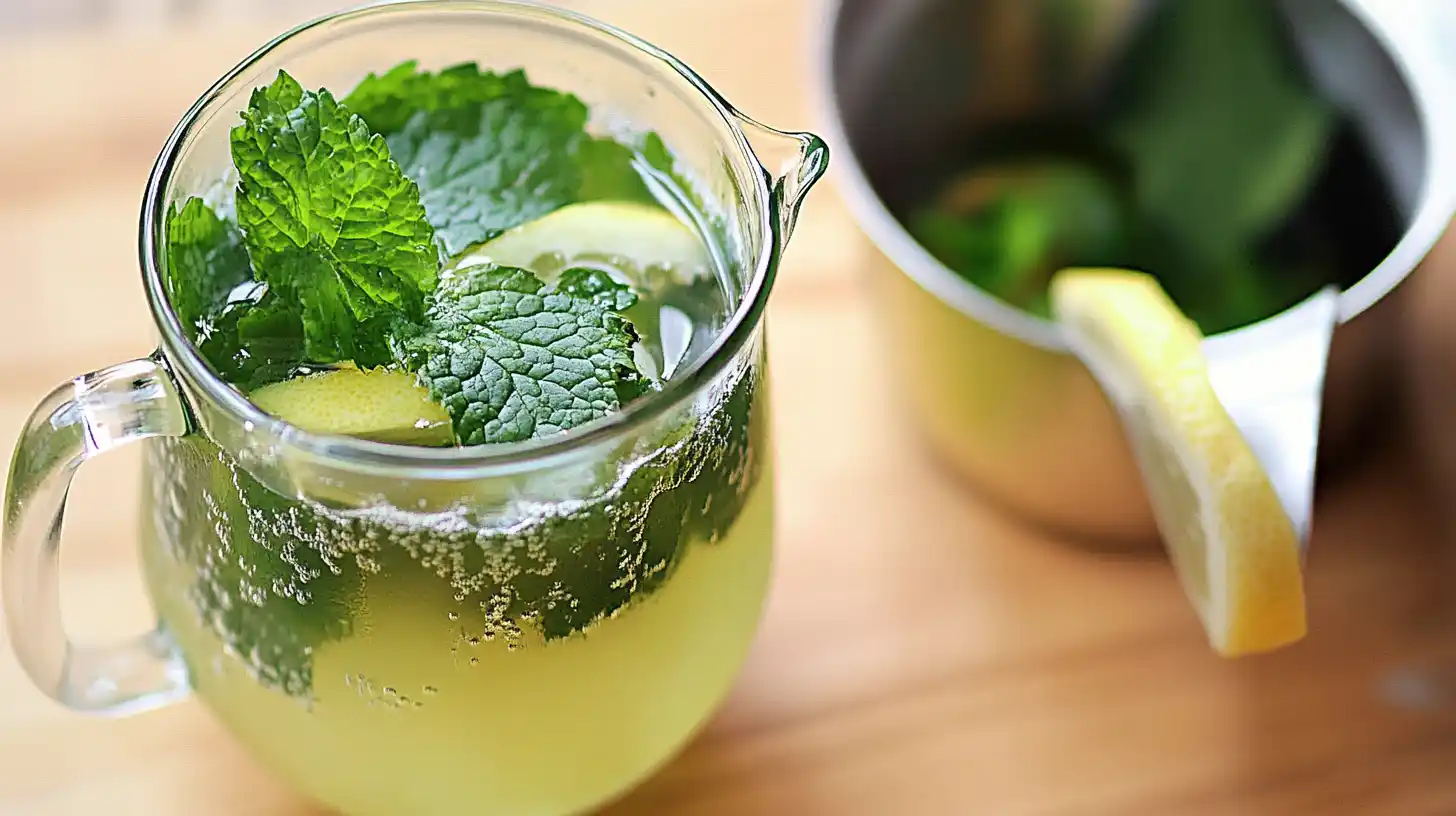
pixel 180 352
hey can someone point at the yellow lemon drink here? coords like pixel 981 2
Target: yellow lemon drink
pixel 423 706
pixel 532 644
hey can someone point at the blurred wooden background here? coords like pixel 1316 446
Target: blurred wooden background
pixel 922 654
pixel 29 18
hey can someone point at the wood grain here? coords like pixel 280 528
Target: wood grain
pixel 922 654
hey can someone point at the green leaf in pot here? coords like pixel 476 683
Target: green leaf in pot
pixel 1223 134
pixel 1007 227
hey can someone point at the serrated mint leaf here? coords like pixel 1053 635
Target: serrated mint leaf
pixel 492 151
pixel 475 188
pixel 511 359
pixel 251 343
pixel 1223 141
pixel 614 296
pixel 387 101
pixel 452 96
pixel 489 151
pixel 205 261
pixel 329 220
pixel 599 286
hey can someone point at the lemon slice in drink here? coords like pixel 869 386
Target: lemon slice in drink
pixel 378 404
pixel 618 233
pixel 1235 549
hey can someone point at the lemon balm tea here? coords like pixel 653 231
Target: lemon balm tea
pixel 449 259
pixel 458 493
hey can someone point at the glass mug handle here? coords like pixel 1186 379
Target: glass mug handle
pixel 84 418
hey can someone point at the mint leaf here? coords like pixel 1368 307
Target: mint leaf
pixel 387 101
pixel 253 343
pixel 453 96
pixel 664 176
pixel 1224 141
pixel 1009 227
pixel 611 295
pixel 511 360
pixel 609 172
pixel 1003 248
pixel 205 261
pixel 330 221
pixel 598 286
pixel 489 151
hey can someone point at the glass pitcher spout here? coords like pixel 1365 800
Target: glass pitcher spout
pixel 794 162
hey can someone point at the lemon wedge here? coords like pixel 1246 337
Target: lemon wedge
pixel 1232 544
pixel 621 233
pixel 378 404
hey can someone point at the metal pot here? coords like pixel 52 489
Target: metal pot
pixel 994 389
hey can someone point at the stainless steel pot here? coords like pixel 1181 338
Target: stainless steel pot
pixel 994 389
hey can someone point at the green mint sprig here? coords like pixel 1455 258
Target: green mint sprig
pixel 205 261
pixel 330 221
pixel 489 151
pixel 344 245
pixel 511 359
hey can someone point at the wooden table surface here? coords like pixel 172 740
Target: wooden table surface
pixel 921 654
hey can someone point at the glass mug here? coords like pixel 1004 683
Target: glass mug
pixel 523 628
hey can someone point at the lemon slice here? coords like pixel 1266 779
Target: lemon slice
pixel 620 234
pixel 1235 549
pixel 379 404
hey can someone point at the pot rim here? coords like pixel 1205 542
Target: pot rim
pixel 1400 36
